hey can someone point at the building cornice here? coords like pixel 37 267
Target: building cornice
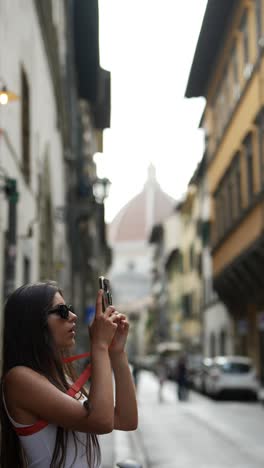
pixel 215 23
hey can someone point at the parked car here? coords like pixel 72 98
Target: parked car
pixel 200 373
pixel 234 374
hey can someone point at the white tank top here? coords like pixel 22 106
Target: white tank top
pixel 39 447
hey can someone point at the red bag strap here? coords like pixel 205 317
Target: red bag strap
pixel 76 357
pixel 74 388
pixel 79 383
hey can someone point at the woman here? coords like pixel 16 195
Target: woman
pixel 39 331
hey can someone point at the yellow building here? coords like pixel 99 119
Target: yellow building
pixel 184 285
pixel 228 70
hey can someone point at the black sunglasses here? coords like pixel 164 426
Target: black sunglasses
pixel 62 310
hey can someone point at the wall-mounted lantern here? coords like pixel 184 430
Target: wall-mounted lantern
pixel 101 189
pixel 6 95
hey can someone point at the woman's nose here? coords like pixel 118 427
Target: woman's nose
pixel 72 316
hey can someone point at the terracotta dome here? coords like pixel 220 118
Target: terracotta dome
pixel 136 219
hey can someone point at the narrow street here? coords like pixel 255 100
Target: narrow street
pixel 200 433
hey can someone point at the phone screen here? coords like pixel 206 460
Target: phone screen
pixel 104 284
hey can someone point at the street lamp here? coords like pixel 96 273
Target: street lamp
pixel 6 95
pixel 101 189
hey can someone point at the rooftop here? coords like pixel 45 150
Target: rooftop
pixel 215 23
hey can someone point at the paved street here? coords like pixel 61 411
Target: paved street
pixel 200 433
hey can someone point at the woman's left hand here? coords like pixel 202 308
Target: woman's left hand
pixel 120 337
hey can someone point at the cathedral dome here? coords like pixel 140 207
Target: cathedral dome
pixel 135 220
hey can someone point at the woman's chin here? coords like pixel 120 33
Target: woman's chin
pixel 69 344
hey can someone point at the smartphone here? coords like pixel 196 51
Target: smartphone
pixel 104 284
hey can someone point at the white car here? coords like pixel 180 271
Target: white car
pixel 200 374
pixel 233 374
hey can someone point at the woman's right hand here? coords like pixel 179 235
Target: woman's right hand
pixel 103 327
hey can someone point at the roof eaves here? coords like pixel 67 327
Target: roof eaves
pixel 216 19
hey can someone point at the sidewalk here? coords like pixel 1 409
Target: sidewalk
pixel 119 446
pixel 107 449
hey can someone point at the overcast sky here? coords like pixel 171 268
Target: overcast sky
pixel 148 46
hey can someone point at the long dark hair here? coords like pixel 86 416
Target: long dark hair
pixel 27 341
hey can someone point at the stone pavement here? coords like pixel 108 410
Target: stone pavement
pixel 218 434
pixel 107 449
pixel 119 446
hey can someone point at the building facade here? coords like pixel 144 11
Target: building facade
pixel 50 218
pixel 231 80
pixel 33 240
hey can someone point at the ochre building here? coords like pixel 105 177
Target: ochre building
pixel 228 70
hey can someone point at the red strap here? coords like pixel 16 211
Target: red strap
pixel 74 358
pixel 74 388
pixel 85 375
pixel 29 430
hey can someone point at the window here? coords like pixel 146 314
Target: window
pixel 205 233
pixel 258 13
pixel 222 110
pixel 227 92
pixel 199 264
pixel 224 208
pixel 191 257
pixel 245 38
pixel 179 263
pixel 234 64
pixel 25 126
pixel 234 72
pixel 237 185
pixel 230 197
pixel 217 114
pixel 249 166
pixel 227 85
pixel 235 368
pixel 187 305
pixel 218 215
pixel 260 124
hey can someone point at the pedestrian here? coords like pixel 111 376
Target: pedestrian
pixel 182 378
pixel 162 376
pixel 41 424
